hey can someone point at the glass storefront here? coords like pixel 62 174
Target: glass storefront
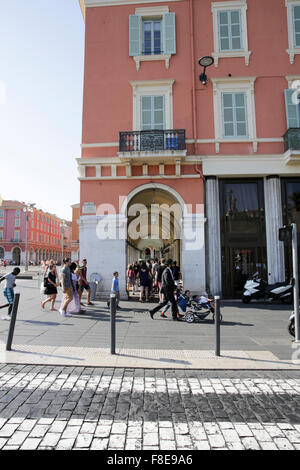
pixel 243 233
pixel 291 214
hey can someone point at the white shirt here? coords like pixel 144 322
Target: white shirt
pixel 10 280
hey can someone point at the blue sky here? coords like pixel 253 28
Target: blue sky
pixel 41 87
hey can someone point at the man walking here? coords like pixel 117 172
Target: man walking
pixel 9 289
pixel 84 283
pixel 167 288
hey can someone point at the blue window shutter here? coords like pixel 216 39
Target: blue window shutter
pixel 169 33
pixel 292 109
pixel 134 35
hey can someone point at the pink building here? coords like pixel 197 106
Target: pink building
pixel 42 232
pixel 225 150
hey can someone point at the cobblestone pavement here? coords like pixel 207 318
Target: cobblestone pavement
pixel 48 407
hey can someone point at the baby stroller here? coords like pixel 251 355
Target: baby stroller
pixel 199 308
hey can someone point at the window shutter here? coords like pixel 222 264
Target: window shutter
pixel 169 33
pixel 134 35
pixel 292 109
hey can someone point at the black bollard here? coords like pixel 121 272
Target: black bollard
pixel 12 322
pixel 113 309
pixel 217 323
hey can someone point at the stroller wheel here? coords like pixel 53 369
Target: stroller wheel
pixel 189 317
pixel 221 318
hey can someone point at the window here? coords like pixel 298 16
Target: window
pixel 17 223
pixel 230 35
pixel 17 235
pixel 18 213
pixel 152 105
pixel 293 17
pixel 296 22
pixel 152 112
pixel 152 37
pixel 234 109
pixel 1 222
pixel 152 34
pixel 230 30
pixel 292 108
pixel 1 213
pixel 1 234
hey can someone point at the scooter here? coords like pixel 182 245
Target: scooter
pixel 257 288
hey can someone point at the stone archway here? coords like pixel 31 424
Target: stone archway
pixel 16 255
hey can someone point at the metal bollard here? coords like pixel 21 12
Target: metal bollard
pixel 217 323
pixel 12 322
pixel 113 309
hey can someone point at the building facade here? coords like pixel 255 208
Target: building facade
pixel 41 233
pixel 220 156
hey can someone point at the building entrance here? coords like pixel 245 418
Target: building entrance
pixel 243 234
pixel 153 226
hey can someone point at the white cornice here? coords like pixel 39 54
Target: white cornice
pixel 107 3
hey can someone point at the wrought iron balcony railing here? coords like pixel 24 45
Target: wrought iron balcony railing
pixel 292 139
pixel 152 140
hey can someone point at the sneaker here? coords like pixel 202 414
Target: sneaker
pixel 68 314
pixel 163 315
pixel 62 313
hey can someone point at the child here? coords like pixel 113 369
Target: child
pixel 9 289
pixel 115 288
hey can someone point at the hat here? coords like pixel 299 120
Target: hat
pixel 170 261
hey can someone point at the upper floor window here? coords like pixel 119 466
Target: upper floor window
pixel 152 30
pixel 292 108
pixel 230 30
pixel 1 213
pixel 293 18
pixel 152 34
pixel 234 111
pixel 1 234
pixel 18 213
pixel 152 112
pixel 1 222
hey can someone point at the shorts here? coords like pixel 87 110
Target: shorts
pixel 69 294
pixel 9 294
pixel 131 281
pixel 87 287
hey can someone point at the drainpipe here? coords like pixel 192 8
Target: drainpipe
pixel 194 114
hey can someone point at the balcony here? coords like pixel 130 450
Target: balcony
pixel 152 144
pixel 292 145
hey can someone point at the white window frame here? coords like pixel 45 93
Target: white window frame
pixel 232 5
pixel 152 87
pixel 17 222
pixel 17 235
pixel 150 12
pixel 236 85
pixel 292 50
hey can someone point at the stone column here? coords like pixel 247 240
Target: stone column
pixel 193 252
pixel 273 211
pixel 103 244
pixel 213 258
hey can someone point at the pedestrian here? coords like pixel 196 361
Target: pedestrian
pixel 159 272
pixel 130 278
pixel 176 271
pixel 115 289
pixel 9 289
pixel 84 283
pixel 67 287
pixel 144 277
pixel 74 306
pixel 51 287
pixel 168 288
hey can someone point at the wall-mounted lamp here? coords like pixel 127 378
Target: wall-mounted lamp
pixel 205 61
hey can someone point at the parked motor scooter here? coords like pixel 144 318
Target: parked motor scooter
pixel 257 288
